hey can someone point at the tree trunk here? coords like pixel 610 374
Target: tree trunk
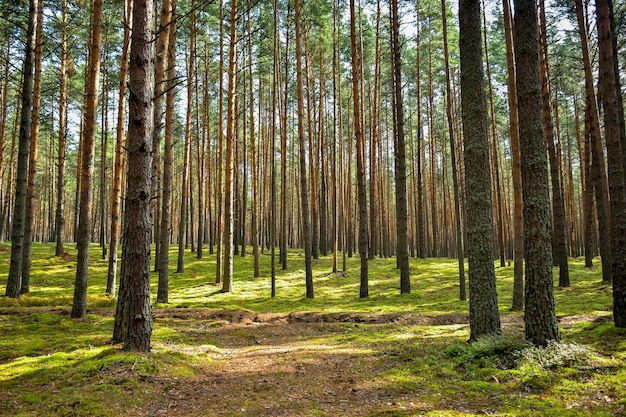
pixel 83 233
pixel 609 90
pixel 32 158
pixel 518 224
pixel 484 315
pixel 402 244
pixel 455 176
pixel 168 162
pixel 136 255
pixel 119 145
pixel 304 192
pixel 559 233
pixel 230 152
pixel 14 280
pixel 539 316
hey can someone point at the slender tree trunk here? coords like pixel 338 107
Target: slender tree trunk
pixel 304 192
pixel 484 315
pixel 230 152
pixel 455 177
pixel 32 158
pixel 559 234
pixel 402 244
pixel 14 280
pixel 83 234
pixel 539 316
pixel 518 224
pixel 168 162
pixel 119 145
pixel 596 179
pixel 360 154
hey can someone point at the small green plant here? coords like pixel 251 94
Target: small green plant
pixel 557 354
pixel 497 351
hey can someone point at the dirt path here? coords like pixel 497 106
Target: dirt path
pixel 288 365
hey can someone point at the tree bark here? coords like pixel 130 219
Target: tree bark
pixel 484 315
pixel 539 316
pixel 83 233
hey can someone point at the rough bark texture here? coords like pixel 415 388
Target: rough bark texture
pixel 59 220
pixel 138 214
pixel 14 280
pixel 608 88
pixel 539 317
pixel 83 232
pixel 484 315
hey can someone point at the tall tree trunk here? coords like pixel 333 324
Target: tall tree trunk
pixel 609 90
pixel 455 176
pixel 484 315
pixel 136 255
pixel 518 224
pixel 229 195
pixel 160 66
pixel 83 233
pixel 360 155
pixel 168 162
pixel 304 192
pixel 119 145
pixel 539 316
pixel 283 153
pixel 4 110
pixel 559 233
pixel 596 179
pixel 104 138
pixel 254 150
pixel 402 215
pixel 220 157
pixel 32 157
pixel 421 205
pixel 14 280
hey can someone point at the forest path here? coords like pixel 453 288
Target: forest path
pixel 298 364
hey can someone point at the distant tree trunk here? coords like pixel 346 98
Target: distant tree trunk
pixel 119 145
pixel 596 179
pixel 4 110
pixel 59 222
pixel 283 153
pixel 136 312
pixel 304 192
pixel 168 163
pixel 32 158
pixel 518 223
pixel 360 154
pixel 14 280
pixel 539 316
pixel 484 315
pixel 220 156
pixel 229 193
pixel 609 90
pixel 559 232
pixel 455 176
pixel 402 215
pixel 254 150
pixel 275 83
pixel 83 234
pixel 104 138
pixel 421 205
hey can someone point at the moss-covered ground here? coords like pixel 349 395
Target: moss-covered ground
pixel 247 354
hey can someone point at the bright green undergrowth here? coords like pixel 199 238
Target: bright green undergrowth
pixel 51 365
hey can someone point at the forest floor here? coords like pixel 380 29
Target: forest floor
pixel 246 354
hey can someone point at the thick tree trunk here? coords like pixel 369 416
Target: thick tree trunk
pixel 83 233
pixel 609 90
pixel 136 257
pixel 484 315
pixel 539 316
